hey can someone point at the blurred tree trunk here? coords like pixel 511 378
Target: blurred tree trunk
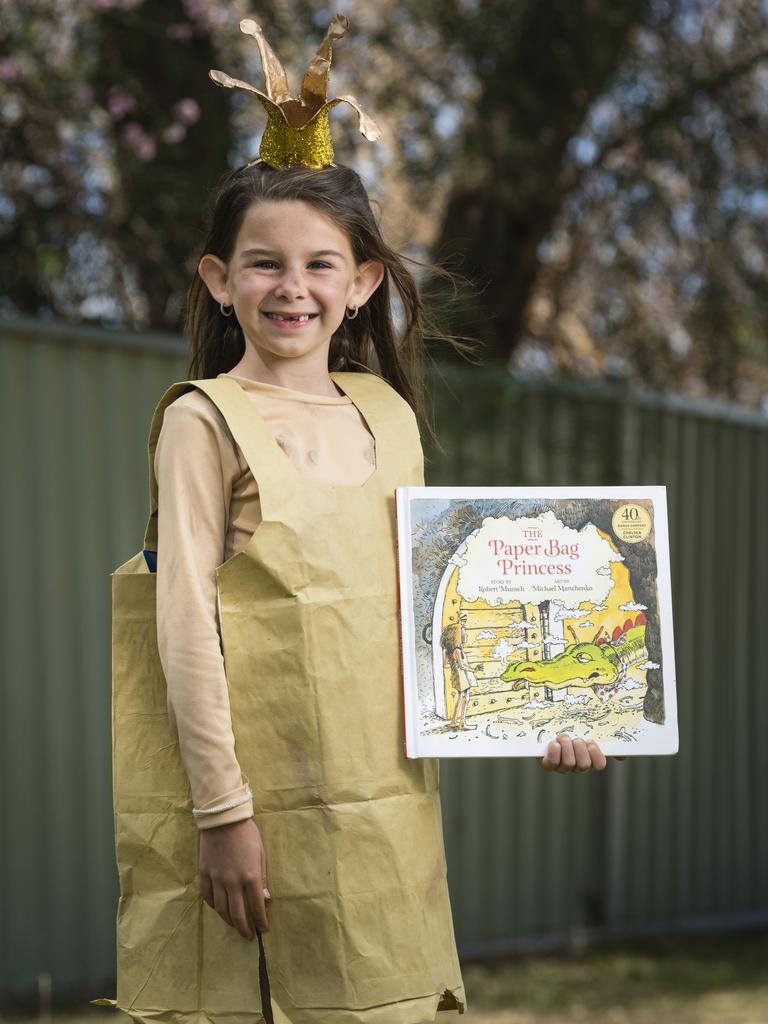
pixel 541 66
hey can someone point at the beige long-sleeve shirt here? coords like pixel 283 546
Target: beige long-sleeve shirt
pixel 208 509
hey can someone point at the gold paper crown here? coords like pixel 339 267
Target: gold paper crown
pixel 298 131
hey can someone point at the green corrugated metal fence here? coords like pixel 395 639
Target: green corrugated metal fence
pixel 534 858
pixel 655 843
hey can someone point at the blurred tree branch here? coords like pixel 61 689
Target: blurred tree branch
pixel 671 110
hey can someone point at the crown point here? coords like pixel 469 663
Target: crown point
pixel 298 130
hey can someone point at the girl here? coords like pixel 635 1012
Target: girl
pixel 276 551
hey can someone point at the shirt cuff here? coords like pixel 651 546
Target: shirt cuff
pixel 224 812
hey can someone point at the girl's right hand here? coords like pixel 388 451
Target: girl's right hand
pixel 233 874
pixel 574 755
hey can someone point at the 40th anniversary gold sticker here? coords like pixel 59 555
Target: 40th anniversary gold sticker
pixel 631 523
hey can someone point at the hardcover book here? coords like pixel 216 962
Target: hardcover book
pixel 527 612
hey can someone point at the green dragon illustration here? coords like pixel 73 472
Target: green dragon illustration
pixel 587 664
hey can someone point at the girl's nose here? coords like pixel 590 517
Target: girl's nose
pixel 290 284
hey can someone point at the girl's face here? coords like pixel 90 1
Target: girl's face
pixel 290 260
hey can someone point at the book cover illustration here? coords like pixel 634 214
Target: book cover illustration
pixel 532 613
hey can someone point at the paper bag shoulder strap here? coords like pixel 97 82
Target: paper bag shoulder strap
pixel 250 432
pixel 388 415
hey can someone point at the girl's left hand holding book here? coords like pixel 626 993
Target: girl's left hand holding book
pixel 566 754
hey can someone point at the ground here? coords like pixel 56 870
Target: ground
pixel 686 980
pixel 695 979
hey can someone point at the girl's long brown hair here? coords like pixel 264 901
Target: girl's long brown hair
pixel 367 342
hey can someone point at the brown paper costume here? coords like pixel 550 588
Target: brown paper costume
pixel 360 921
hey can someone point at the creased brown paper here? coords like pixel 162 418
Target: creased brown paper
pixel 360 921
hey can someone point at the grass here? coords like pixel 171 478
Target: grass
pixel 683 980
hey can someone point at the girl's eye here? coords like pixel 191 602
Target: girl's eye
pixel 314 263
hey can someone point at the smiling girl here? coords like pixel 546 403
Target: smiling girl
pixel 277 605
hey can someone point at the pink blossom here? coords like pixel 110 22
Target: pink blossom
pixel 108 5
pixel 119 103
pixel 132 130
pixel 175 132
pixel 187 111
pixel 137 139
pixel 199 12
pixel 9 69
pixel 146 149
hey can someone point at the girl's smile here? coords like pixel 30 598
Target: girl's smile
pixel 290 320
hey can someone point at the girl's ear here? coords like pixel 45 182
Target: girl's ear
pixel 214 273
pixel 368 277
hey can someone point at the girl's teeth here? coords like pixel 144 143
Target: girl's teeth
pixel 273 316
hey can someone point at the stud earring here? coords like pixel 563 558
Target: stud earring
pixel 352 317
pixel 223 310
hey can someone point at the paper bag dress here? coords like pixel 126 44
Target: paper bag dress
pixel 360 921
